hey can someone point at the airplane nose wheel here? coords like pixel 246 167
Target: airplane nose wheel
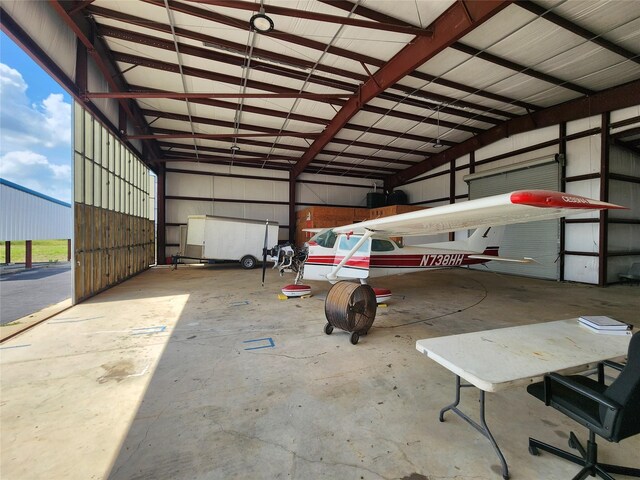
pixel 350 307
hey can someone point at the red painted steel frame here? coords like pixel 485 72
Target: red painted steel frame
pixel 458 20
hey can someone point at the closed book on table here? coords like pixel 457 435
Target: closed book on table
pixel 601 322
pixel 601 331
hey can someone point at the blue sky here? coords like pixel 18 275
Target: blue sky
pixel 35 125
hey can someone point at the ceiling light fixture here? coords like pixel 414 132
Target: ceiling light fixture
pixel 261 23
pixel 437 143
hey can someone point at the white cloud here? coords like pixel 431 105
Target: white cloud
pixel 20 163
pixel 11 80
pixel 35 139
pixel 37 172
pixel 58 119
pixel 27 126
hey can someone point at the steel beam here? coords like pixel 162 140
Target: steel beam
pixel 319 17
pixel 81 4
pixel 626 133
pixel 608 100
pixel 344 166
pixel 340 141
pixel 316 45
pixel 218 123
pixel 210 136
pixel 209 75
pixel 303 64
pixel 210 15
pixel 453 24
pixel 578 30
pixel 381 17
pixel 257 64
pixel 516 67
pixel 178 95
pixel 373 158
pixel 179 157
pixel 258 128
pixel 269 112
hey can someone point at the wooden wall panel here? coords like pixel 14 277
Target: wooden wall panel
pixel 109 248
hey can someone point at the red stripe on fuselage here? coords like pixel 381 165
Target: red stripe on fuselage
pixel 426 260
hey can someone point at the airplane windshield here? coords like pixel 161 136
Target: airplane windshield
pixel 326 238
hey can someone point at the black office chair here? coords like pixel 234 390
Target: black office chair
pixel 612 412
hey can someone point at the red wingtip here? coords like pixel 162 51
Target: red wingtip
pixel 550 199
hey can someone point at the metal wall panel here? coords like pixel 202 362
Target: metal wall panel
pixel 230 192
pixel 538 240
pixel 623 237
pixel 27 215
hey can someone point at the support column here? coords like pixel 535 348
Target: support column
pixel 292 208
pixel 162 231
pixel 604 196
pixel 7 252
pixel 562 151
pixel 452 190
pixel 27 255
pixel 81 68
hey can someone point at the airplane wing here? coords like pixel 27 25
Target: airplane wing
pixel 515 207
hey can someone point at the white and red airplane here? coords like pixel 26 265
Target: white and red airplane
pixel 364 250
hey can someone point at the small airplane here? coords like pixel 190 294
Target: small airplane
pixel 363 250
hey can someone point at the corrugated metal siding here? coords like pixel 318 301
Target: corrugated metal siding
pixel 24 216
pixel 538 240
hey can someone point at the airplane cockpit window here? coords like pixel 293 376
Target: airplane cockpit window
pixel 326 238
pixel 381 246
pixel 347 242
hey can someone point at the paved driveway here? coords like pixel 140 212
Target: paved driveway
pixel 28 291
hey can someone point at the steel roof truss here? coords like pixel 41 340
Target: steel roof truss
pixel 448 28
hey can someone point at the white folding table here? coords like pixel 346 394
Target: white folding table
pixel 493 360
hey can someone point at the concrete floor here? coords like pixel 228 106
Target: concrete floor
pixel 161 378
pixel 26 291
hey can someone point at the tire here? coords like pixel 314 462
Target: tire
pixel 354 338
pixel 248 262
pixel 328 328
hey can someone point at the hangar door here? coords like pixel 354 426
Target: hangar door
pixel 538 240
pixel 113 231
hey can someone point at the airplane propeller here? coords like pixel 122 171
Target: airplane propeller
pixel 264 250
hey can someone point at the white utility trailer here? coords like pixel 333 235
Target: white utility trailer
pixel 218 239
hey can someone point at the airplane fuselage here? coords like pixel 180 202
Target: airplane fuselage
pixel 397 261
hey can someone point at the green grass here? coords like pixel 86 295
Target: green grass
pixel 41 251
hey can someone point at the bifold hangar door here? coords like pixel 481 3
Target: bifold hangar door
pixel 538 240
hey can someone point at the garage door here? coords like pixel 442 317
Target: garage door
pixel 538 240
